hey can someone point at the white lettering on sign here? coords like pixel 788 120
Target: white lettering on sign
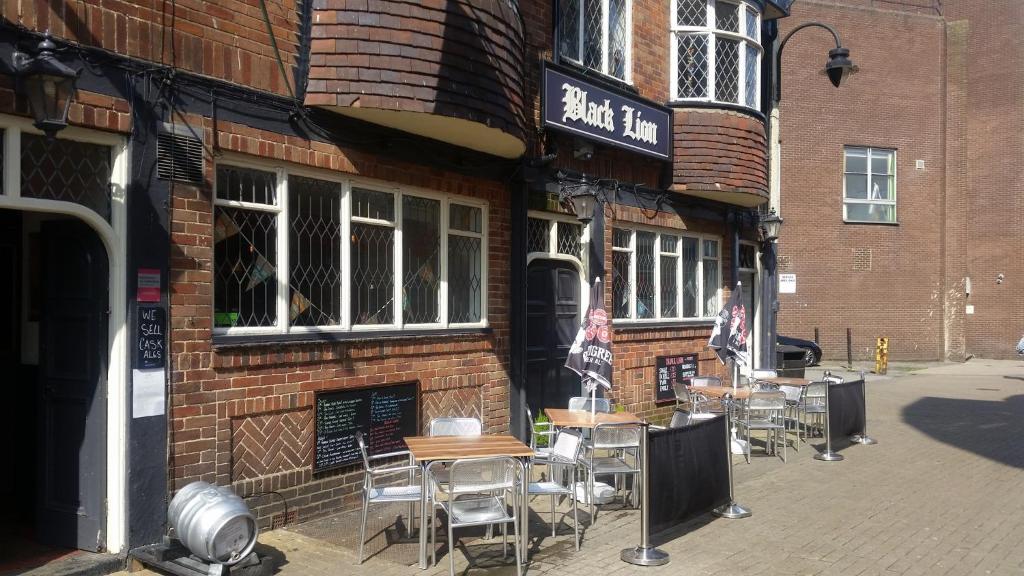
pixel 638 129
pixel 578 108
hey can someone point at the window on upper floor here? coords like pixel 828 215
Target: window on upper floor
pixel 869 185
pixel 596 34
pixel 664 275
pixel 716 52
pixel 297 253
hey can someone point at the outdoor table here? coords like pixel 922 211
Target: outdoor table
pixel 564 418
pixel 721 391
pixel 783 381
pixel 427 449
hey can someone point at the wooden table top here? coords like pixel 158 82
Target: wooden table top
pixel 720 391
pixel 584 419
pixel 781 381
pixel 427 448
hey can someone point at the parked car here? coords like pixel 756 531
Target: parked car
pixel 789 350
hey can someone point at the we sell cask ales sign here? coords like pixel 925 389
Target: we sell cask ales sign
pixel 581 106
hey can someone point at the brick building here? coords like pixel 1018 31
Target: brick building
pixel 932 262
pixel 278 206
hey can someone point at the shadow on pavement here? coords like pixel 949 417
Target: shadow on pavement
pixel 988 428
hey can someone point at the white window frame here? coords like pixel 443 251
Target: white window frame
pixel 868 151
pixel 605 39
pixel 346 184
pixel 709 31
pixel 679 234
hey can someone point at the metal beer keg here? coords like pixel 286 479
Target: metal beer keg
pixel 213 523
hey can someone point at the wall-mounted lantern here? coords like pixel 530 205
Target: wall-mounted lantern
pixel 48 84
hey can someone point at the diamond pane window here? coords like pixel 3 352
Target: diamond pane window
pixel 314 245
pixel 373 204
pixel 727 17
pixel 67 171
pixel 748 256
pixel 727 70
pixel 464 279
pixel 569 239
pixel 421 239
pixel 246 185
pixel 692 13
pixel 373 274
pixel 595 34
pixel 691 258
pixel 245 270
pixel 726 33
pixel 537 235
pixel 465 218
pixel 710 285
pixel 664 277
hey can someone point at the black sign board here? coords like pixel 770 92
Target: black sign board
pixel 150 337
pixel 581 106
pixel 670 369
pixel 384 414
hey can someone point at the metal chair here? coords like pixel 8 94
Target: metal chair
pixel 373 494
pixel 793 394
pixel 540 430
pixel 703 403
pixel 566 453
pixel 812 403
pixel 622 444
pixel 476 496
pixel 455 427
pixel 582 403
pixel 754 380
pixel 766 411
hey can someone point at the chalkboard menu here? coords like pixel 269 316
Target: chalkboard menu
pixel 383 414
pixel 670 369
pixel 152 325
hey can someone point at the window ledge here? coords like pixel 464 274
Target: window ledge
pixel 633 325
pixel 682 103
pixel 224 342
pixel 871 222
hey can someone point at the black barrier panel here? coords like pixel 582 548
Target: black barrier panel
pixel 846 409
pixel 688 474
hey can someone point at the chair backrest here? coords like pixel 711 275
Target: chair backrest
pixel 767 401
pixel 614 436
pixel 582 403
pixel 756 374
pixel 681 391
pixel 482 475
pixel 705 381
pixel 833 379
pixel 759 386
pixel 680 418
pixel 816 391
pixel 455 427
pixel 567 446
pixel 793 393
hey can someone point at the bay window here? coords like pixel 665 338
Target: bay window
pixel 297 253
pixel 716 51
pixel 664 275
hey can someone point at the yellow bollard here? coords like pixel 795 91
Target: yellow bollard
pixel 882 355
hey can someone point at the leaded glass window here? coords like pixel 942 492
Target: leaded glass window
pixel 663 275
pixel 596 34
pixel 717 55
pixel 350 257
pixel 67 171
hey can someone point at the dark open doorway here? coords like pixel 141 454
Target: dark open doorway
pixel 53 345
pixel 552 320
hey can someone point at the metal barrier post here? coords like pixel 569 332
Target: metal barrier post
pixel 644 554
pixel 863 437
pixel 732 509
pixel 828 455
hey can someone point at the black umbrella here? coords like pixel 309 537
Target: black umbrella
pixel 591 352
pixel 729 336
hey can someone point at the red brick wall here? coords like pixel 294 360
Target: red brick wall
pixel 242 415
pixel 226 39
pixel 895 101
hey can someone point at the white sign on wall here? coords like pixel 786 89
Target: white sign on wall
pixel 787 283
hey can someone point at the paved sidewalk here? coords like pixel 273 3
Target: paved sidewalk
pixel 941 493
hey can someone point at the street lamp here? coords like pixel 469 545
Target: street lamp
pixel 770 224
pixel 838 67
pixel 48 84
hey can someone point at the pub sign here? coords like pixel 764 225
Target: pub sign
pixel 575 104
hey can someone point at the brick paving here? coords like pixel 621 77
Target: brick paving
pixel 940 494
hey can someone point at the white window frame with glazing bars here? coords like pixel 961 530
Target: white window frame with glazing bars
pixel 605 41
pixel 711 33
pixel 346 185
pixel 701 257
pixel 869 175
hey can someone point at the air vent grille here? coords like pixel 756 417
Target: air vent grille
pixel 179 155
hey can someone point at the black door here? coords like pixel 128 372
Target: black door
pixel 71 491
pixel 552 320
